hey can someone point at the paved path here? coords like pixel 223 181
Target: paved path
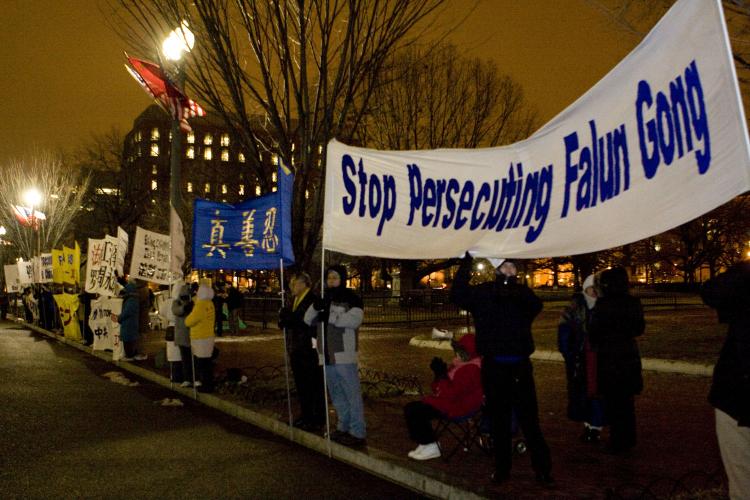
pixel 66 431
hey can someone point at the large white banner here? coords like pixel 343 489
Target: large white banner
pixel 151 257
pixel 106 332
pixel 101 263
pixel 43 268
pixel 660 140
pixel 26 272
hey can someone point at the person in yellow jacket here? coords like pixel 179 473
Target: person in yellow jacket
pixel 201 324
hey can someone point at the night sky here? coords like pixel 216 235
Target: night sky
pixel 63 77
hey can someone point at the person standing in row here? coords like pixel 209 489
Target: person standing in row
pixel 584 405
pixel 341 312
pixel 303 357
pixel 503 311
pixel 616 321
pixel 729 294
pixel 128 320
pixel 200 321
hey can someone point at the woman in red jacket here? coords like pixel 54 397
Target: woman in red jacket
pixel 456 391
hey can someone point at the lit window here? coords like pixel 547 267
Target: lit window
pixel 320 149
pixel 190 152
pixel 154 134
pixel 224 155
pixel 223 189
pixel 191 138
pixel 154 170
pixel 207 154
pixel 242 189
pixel 273 189
pixel 207 188
pixel 241 158
pixel 307 194
pixel 189 187
pixel 225 139
pixel 153 201
pixel 138 136
pixel 140 152
pixel 273 176
pixel 260 156
pixel 257 190
pixel 154 185
pixel 208 140
pixel 292 146
pixel 154 150
pixel 170 136
pixel 275 159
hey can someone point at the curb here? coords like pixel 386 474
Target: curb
pixel 376 462
pixel 650 364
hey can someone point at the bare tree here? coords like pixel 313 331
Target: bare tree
pixel 62 189
pixel 307 67
pixel 432 97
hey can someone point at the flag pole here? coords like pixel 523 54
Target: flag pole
pixel 286 353
pixel 322 338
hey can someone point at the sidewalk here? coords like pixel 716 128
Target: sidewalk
pixel 676 433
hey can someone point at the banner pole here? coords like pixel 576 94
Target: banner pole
pixel 322 338
pixel 286 355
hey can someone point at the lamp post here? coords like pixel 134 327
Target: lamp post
pixel 179 41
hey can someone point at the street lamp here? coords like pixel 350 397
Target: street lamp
pixel 33 198
pixel 179 41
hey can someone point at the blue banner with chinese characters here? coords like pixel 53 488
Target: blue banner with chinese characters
pixel 254 234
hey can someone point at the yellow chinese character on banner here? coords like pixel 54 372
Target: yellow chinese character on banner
pixel 270 240
pixel 217 238
pixel 247 242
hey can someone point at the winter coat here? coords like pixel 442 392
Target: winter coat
pixel 729 294
pixel 299 334
pixel 460 393
pixel 345 312
pixel 144 308
pixel 616 321
pixel 234 299
pixel 181 307
pixel 201 318
pixel 502 311
pixel 580 360
pixel 128 317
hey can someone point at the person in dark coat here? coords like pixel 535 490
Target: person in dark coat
pixel 616 321
pixel 234 305
pixel 128 319
pixel 218 301
pixel 503 311
pixel 729 294
pixel 584 405
pixel 303 357
pixel 456 392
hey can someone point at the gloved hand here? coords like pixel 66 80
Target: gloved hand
pixel 439 368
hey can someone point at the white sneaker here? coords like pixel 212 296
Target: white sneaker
pixel 440 334
pixel 416 450
pixel 428 452
pixel 186 384
pixel 198 383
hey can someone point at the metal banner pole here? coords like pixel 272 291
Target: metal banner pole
pixel 286 355
pixel 322 339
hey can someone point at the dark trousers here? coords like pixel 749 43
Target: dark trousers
pixel 620 410
pixel 509 387
pixel 186 353
pixel 204 371
pixel 130 347
pixel 419 416
pixel 308 379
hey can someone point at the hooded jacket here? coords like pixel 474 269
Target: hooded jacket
pixel 729 294
pixel 201 319
pixel 345 313
pixel 460 393
pixel 181 307
pixel 129 314
pixel 616 321
pixel 503 311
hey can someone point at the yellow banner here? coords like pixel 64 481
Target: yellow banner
pixel 72 265
pixel 58 270
pixel 67 305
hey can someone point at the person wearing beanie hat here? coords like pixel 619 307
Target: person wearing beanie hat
pixel 341 312
pixel 200 321
pixel 503 311
pixel 456 391
pixel 584 405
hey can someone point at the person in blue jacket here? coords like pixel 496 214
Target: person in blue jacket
pixel 128 320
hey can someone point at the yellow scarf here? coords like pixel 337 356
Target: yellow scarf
pixel 297 300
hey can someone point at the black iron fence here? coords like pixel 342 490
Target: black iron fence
pixel 434 306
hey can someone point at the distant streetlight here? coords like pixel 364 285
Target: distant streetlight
pixel 480 266
pixel 3 231
pixel 32 197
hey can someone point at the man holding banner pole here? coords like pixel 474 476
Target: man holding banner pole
pixel 503 311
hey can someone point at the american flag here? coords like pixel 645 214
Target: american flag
pixel 156 83
pixel 28 217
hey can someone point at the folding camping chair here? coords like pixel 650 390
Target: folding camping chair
pixel 464 429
